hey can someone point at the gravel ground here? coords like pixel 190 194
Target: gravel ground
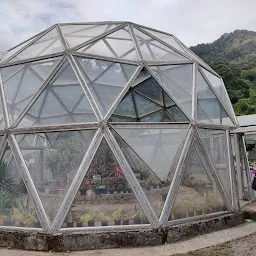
pixel 246 234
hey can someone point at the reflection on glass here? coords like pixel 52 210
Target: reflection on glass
pixel 158 148
pixel 198 193
pixel 152 50
pixel 48 44
pixel 105 79
pixel 155 189
pixel 62 101
pixel 77 34
pixel 53 160
pixel 16 207
pixel 116 45
pixel 22 81
pixel 146 101
pixel 210 109
pixel 216 144
pixel 104 198
pixel 178 80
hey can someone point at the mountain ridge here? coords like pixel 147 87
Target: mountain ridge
pixel 233 56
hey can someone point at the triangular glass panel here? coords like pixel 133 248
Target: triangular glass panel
pixel 22 81
pixel 16 49
pixel 193 56
pixel 216 143
pixel 16 206
pixel 53 164
pixel 143 75
pixel 151 89
pixel 126 107
pixel 78 34
pixel 105 197
pixel 116 45
pixel 176 114
pixel 153 50
pixel 48 44
pixel 155 189
pixel 1 139
pixel 220 90
pixel 178 79
pixel 158 116
pixel 147 102
pixel 106 80
pixel 2 122
pixel 58 101
pixel 198 193
pixel 158 148
pixel 208 104
pixel 166 38
pixel 144 106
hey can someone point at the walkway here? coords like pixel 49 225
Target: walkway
pixel 164 250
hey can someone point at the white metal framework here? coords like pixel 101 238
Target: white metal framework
pixel 109 126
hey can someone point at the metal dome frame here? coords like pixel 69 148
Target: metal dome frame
pixel 103 127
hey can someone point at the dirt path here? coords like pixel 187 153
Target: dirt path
pixel 212 239
pixel 239 247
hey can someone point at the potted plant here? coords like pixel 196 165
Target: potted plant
pixel 191 209
pixel 77 220
pixel 70 222
pixel 125 218
pixel 30 220
pixel 100 190
pixel 2 220
pixel 104 219
pixel 137 218
pixel 17 217
pixel 209 202
pixel 178 212
pixel 88 218
pixel 147 185
pixel 83 191
pixel 117 216
pixel 171 216
pixel 199 210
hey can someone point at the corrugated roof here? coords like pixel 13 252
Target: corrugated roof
pixel 247 120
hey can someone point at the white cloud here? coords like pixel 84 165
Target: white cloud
pixel 192 22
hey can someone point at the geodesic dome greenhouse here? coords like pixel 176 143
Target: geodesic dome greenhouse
pixel 111 125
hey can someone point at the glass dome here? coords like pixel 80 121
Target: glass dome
pixel 111 124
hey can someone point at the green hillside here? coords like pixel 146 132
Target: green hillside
pixel 233 56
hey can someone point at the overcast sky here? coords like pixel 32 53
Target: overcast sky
pixel 192 21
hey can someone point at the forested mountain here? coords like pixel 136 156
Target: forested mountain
pixel 233 56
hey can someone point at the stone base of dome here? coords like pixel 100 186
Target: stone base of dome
pixel 85 240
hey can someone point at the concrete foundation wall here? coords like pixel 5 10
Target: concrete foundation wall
pixel 102 240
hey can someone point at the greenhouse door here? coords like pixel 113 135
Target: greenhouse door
pixel 243 174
